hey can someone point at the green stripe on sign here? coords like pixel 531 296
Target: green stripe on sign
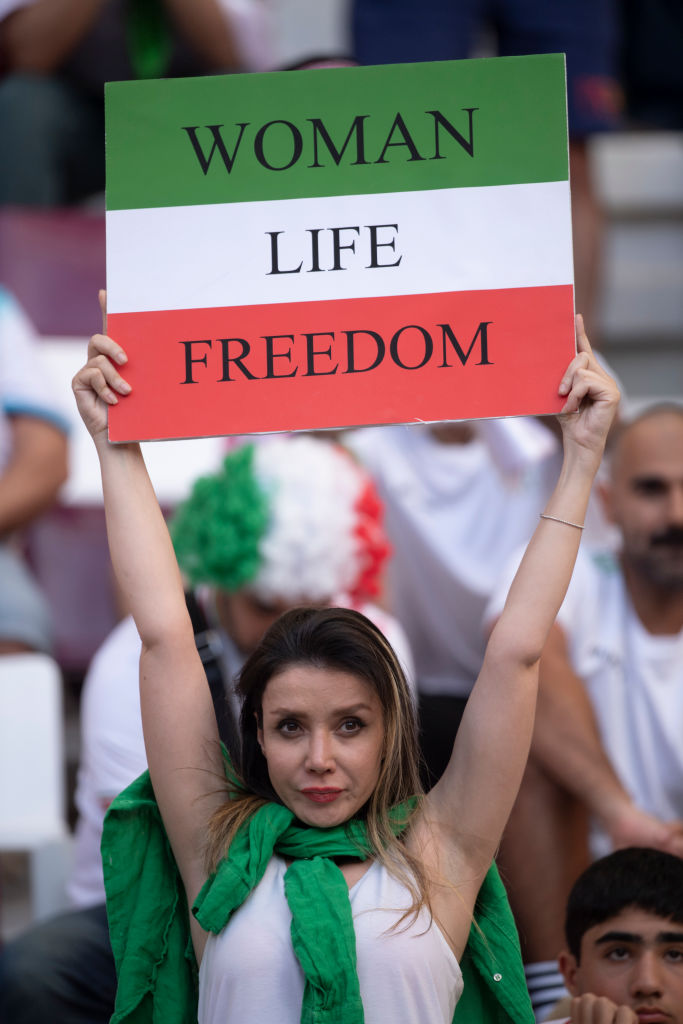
pixel 341 131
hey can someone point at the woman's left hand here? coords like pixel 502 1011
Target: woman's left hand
pixel 592 397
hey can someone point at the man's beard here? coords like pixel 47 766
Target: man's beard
pixel 662 562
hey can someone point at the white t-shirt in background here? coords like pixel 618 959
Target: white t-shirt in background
pixel 453 516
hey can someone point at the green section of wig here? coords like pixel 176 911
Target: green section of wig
pixel 216 532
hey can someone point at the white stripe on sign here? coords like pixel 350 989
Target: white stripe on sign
pixel 242 254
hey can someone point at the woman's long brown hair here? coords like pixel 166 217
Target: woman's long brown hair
pixel 343 640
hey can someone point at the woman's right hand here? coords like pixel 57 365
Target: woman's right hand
pixel 97 385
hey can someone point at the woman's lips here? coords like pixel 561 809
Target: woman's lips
pixel 321 796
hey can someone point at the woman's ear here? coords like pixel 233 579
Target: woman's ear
pixel 259 732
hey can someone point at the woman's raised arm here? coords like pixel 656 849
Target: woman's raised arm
pixel 181 737
pixel 472 801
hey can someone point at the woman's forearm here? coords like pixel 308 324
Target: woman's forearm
pixel 141 550
pixel 540 584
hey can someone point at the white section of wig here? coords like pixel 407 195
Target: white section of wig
pixel 310 551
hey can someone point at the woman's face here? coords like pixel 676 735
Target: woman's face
pixel 322 737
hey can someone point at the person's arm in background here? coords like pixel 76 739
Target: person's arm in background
pixel 567 745
pixel 41 35
pixel 36 469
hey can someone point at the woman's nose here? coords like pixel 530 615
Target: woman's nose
pixel 319 756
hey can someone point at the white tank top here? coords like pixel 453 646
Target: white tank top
pixel 249 971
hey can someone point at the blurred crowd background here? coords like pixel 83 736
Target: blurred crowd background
pixel 627 178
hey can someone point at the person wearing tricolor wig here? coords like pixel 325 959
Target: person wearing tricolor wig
pixel 288 520
pixel 324 886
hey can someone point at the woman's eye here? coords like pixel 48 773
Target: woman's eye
pixel 289 727
pixel 351 725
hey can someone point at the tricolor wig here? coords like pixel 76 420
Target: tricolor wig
pixel 291 519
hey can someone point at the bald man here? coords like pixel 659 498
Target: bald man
pixel 606 767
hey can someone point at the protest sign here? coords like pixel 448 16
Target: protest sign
pixel 325 248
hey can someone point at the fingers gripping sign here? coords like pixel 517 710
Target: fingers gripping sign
pixel 591 396
pixel 98 384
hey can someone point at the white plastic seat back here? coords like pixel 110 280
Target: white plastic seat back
pixel 32 773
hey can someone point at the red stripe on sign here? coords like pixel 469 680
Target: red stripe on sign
pixel 295 366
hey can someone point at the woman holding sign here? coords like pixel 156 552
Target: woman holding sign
pixel 324 885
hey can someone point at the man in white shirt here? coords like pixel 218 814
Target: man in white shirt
pixel 607 746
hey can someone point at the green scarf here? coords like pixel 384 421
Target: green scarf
pixel 149 924
pixel 323 936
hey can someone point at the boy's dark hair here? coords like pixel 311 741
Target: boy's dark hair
pixel 637 877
